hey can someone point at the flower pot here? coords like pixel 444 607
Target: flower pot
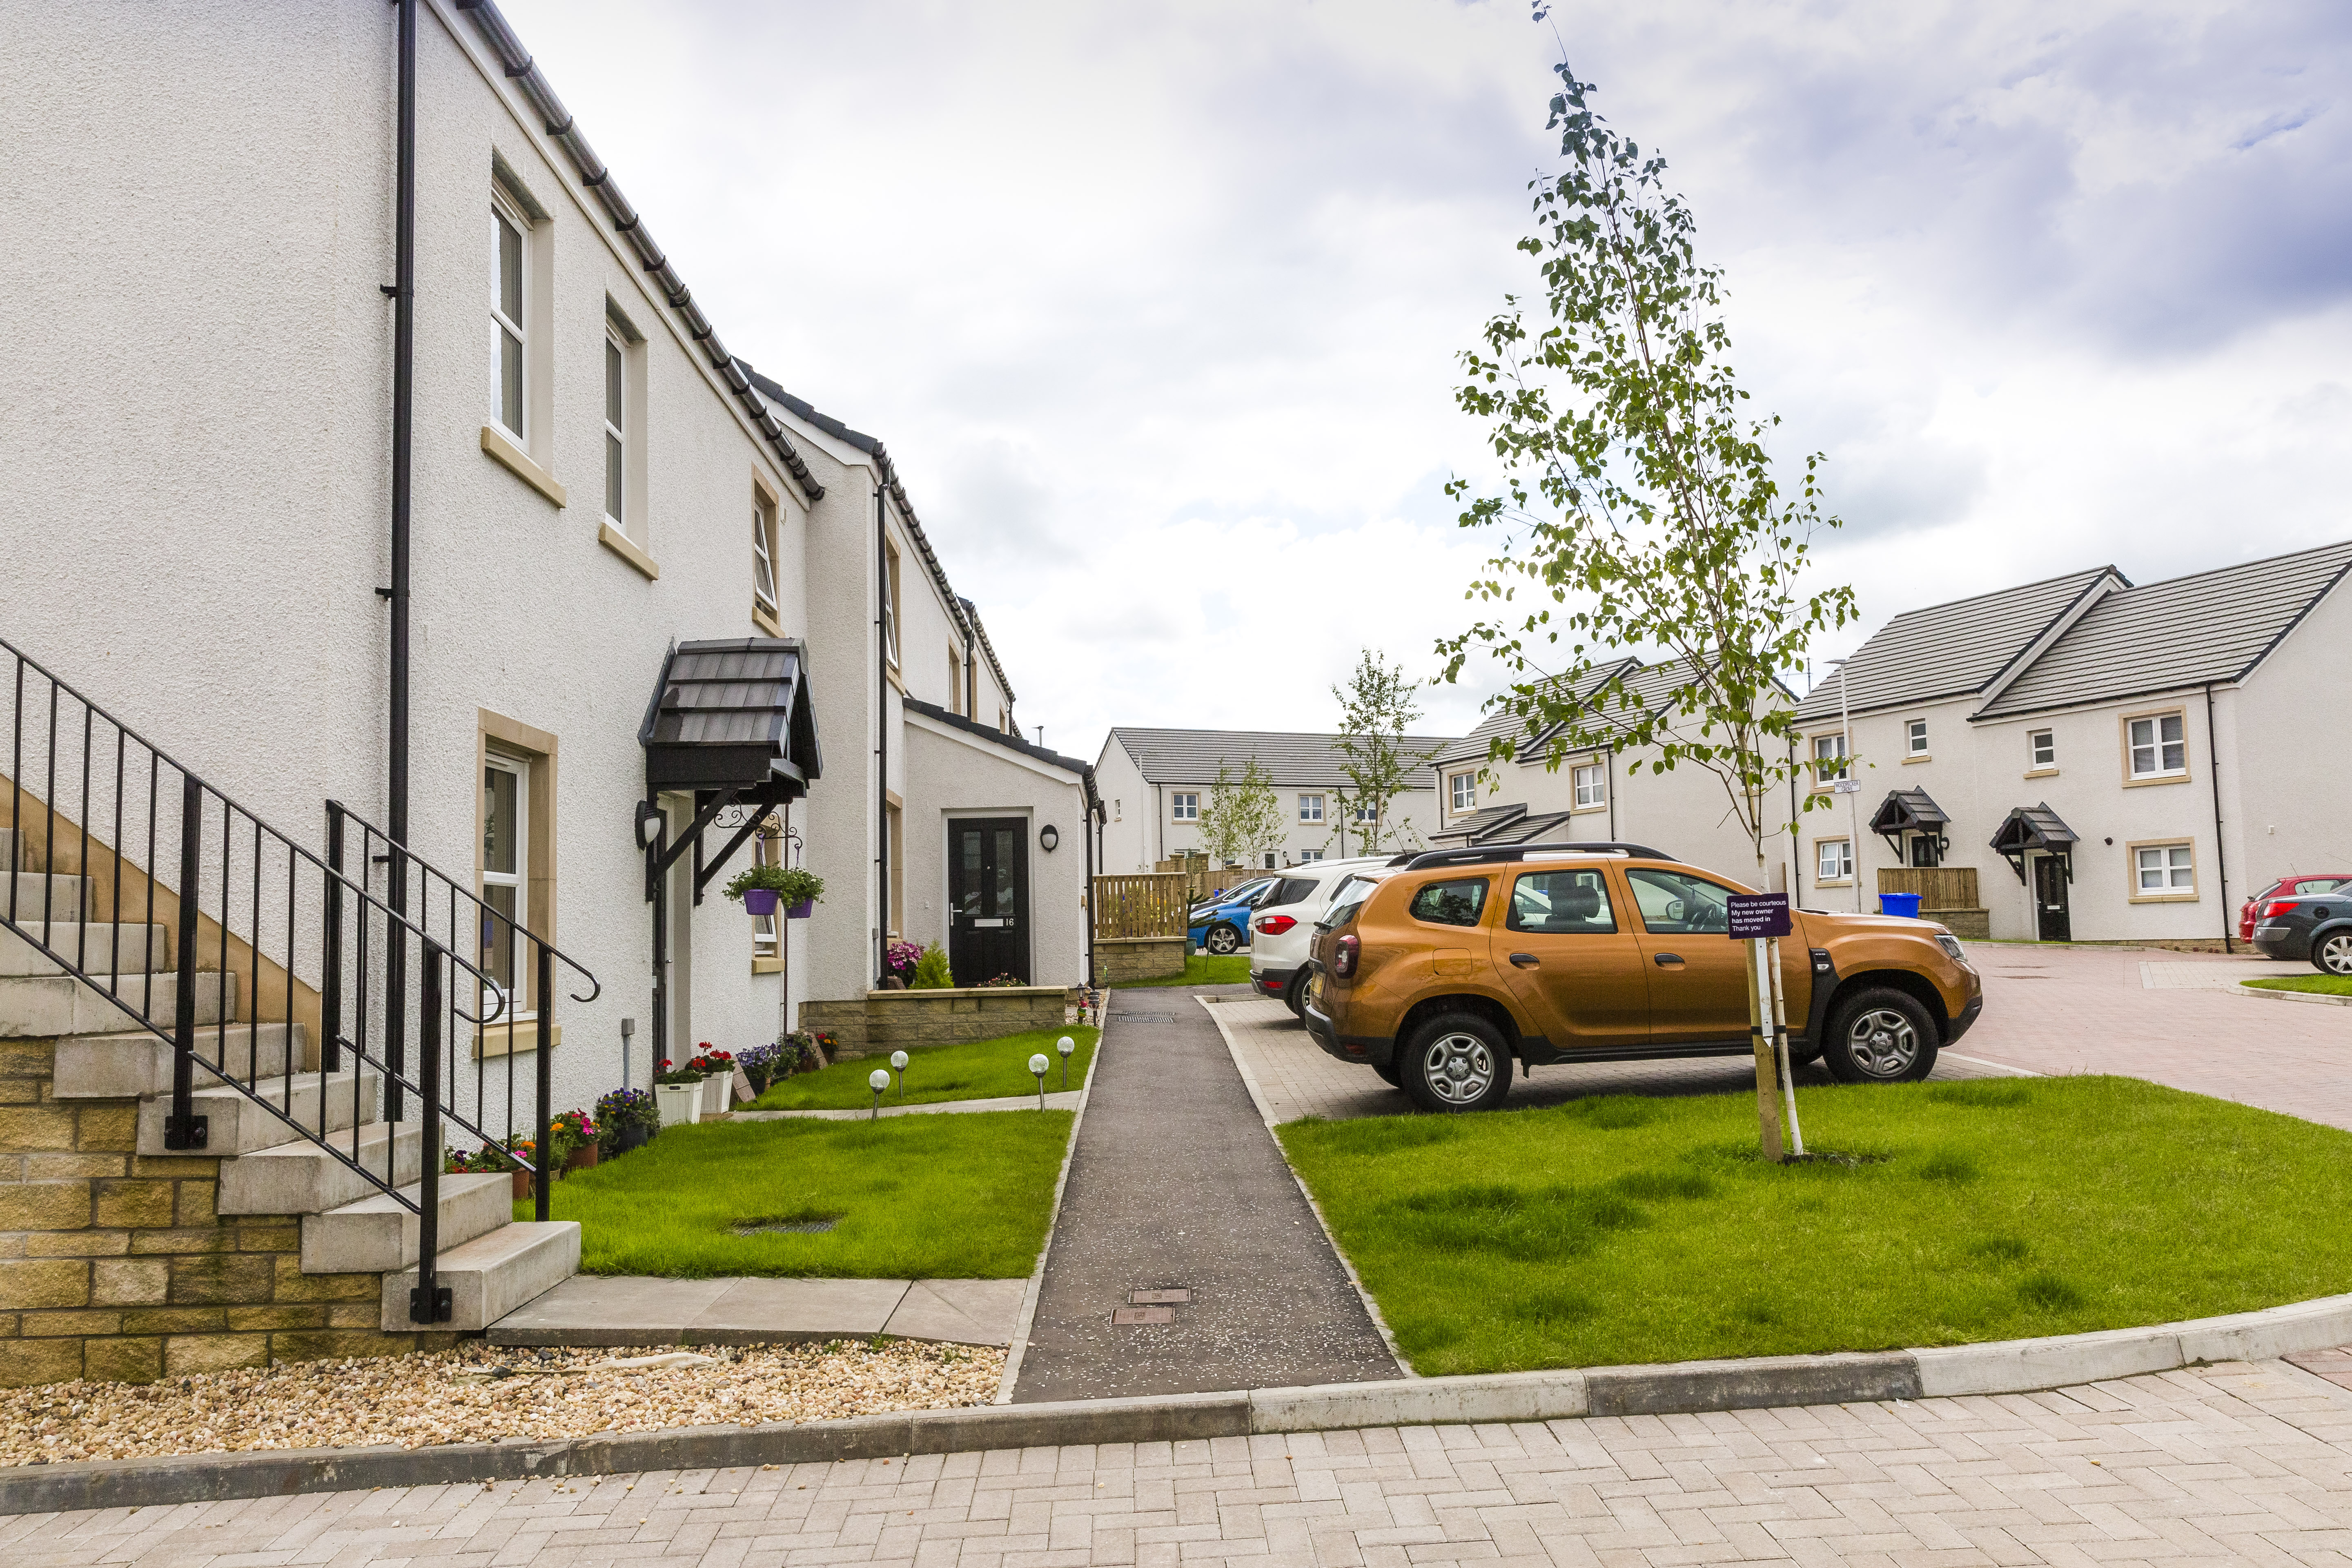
pixel 680 1103
pixel 624 1139
pixel 581 1158
pixel 523 1188
pixel 758 900
pixel 717 1090
pixel 801 910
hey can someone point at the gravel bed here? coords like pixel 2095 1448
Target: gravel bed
pixel 479 1392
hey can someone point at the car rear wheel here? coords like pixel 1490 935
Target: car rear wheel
pixel 1457 1061
pixel 1294 996
pixel 2332 954
pixel 1881 1035
pixel 1222 940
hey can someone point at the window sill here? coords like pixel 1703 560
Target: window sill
pixel 494 1041
pixel 765 620
pixel 1844 882
pixel 2162 899
pixel 1587 810
pixel 628 549
pixel 2042 772
pixel 1922 757
pixel 500 446
pixel 767 966
pixel 2156 779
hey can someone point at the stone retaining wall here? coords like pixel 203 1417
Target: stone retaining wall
pixel 113 1264
pixel 1969 925
pixel 1123 960
pixel 883 1021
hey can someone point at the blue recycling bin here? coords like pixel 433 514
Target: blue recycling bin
pixel 1903 904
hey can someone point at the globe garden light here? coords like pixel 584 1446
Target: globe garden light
pixel 898 1066
pixel 1065 1046
pixel 1037 1065
pixel 877 1080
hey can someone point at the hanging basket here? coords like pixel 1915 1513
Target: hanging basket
pixel 760 900
pixel 801 910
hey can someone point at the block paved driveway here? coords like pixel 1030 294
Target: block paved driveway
pixel 2165 1017
pixel 2233 1463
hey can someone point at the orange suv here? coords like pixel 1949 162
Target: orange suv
pixel 1441 974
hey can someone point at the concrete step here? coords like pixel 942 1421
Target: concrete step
pixel 64 895
pixel 237 1125
pixel 34 1006
pixel 494 1274
pixel 100 947
pixel 12 849
pixel 377 1235
pixel 133 1064
pixel 302 1178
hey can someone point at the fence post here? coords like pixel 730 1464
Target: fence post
pixel 544 1071
pixel 331 993
pixel 429 1303
pixel 182 1129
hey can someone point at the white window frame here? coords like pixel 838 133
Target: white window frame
pixel 2037 741
pixel 891 603
pixel 1829 749
pixel 2175 870
pixel 1591 784
pixel 1309 856
pixel 616 428
pixel 763 554
pixel 1463 791
pixel 520 878
pixel 2156 745
pixel 505 214
pixel 1183 806
pixel 1841 875
pixel 1363 812
pixel 1310 808
pixel 1915 737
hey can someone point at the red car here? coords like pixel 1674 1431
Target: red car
pixel 2286 888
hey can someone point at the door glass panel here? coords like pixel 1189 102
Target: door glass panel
pixel 1008 851
pixel 1673 904
pixel 968 884
pixel 1563 903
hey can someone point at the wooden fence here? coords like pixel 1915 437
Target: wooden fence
pixel 1938 887
pixel 1145 905
pixel 1201 879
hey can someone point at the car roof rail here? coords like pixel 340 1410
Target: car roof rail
pixel 1504 855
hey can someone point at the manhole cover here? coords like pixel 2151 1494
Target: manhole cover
pixel 1155 1298
pixel 784 1227
pixel 1143 1315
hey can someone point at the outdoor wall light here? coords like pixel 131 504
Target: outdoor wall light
pixel 1049 835
pixel 877 1080
pixel 650 823
pixel 1037 1068
pixel 898 1066
pixel 1065 1046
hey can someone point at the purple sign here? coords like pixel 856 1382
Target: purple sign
pixel 1758 915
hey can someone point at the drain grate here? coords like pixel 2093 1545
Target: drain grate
pixel 1176 1298
pixel 1126 1315
pixel 784 1227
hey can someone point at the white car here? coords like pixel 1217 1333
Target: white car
pixel 1284 928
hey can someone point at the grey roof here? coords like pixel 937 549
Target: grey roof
pixel 1646 684
pixel 1485 819
pixel 2209 627
pixel 1191 756
pixel 1952 649
pixel 1478 745
pixel 995 736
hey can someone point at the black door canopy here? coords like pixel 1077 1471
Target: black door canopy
pixel 733 714
pixel 1908 811
pixel 2030 829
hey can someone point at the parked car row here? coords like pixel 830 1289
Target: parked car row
pixel 2306 919
pixel 1443 972
pixel 1283 926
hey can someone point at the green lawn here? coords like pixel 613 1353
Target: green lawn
pixel 2325 984
pixel 977 1070
pixel 1619 1230
pixel 960 1196
pixel 1230 970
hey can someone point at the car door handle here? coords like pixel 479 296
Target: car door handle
pixel 1525 959
pixel 1666 960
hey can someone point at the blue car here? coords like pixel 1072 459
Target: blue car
pixel 1221 922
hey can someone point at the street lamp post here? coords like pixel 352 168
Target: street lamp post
pixel 1850 786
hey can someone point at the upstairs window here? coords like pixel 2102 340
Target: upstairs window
pixel 507 228
pixel 1915 738
pixel 763 555
pixel 891 604
pixel 2159 745
pixel 1310 808
pixel 1364 812
pixel 1464 791
pixel 1828 759
pixel 2042 747
pixel 1184 805
pixel 1591 786
pixel 615 430
pixel 1835 863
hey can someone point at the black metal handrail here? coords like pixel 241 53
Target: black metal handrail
pixel 496 936
pixel 292 917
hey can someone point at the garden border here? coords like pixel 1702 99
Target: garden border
pixel 2010 1366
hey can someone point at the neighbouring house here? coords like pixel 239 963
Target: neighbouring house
pixel 1153 785
pixel 1599 794
pixel 524 625
pixel 2107 762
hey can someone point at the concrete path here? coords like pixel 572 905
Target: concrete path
pixel 2233 1463
pixel 1055 1100
pixel 628 1310
pixel 1176 1186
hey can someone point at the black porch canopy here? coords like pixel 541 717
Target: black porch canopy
pixel 2031 828
pixel 732 722
pixel 1910 811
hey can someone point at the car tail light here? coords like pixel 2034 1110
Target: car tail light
pixel 1343 956
pixel 1273 925
pixel 2273 910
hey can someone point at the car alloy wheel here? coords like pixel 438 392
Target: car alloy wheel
pixel 1222 941
pixel 1882 1042
pixel 1458 1068
pixel 2334 953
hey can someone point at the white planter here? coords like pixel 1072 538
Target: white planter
pixel 680 1104
pixel 717 1090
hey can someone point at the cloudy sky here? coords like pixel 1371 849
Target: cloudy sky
pixel 1157 306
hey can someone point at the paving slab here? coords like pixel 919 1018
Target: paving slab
pixel 763 1311
pixel 609 1310
pixel 958 1311
pixel 590 1310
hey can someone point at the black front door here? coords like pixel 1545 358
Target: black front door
pixel 988 898
pixel 2050 920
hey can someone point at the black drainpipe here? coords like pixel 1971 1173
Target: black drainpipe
pixel 2221 855
pixel 1086 803
pixel 404 398
pixel 881 726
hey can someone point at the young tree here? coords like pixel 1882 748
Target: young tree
pixel 1375 706
pixel 1240 816
pixel 1639 510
